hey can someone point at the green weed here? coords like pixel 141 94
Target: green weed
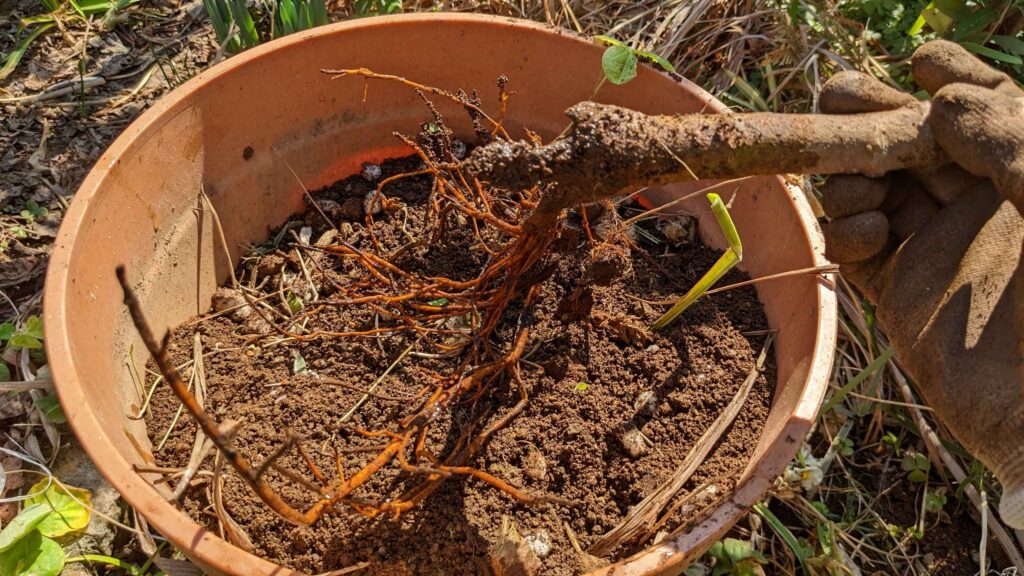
pixel 916 465
pixel 29 336
pixel 52 510
pixel 734 557
pixel 31 28
pixel 235 24
pixel 619 60
pixel 732 256
pixel 364 8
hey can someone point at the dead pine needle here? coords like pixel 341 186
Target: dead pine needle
pixel 645 514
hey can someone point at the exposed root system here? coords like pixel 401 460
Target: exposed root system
pixel 471 315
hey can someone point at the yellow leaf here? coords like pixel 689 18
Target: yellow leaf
pixel 69 507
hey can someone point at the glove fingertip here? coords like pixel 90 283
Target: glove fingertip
pixel 852 92
pixel 940 62
pixel 856 238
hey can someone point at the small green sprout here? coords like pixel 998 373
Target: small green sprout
pixel 50 407
pixel 363 8
pixel 916 465
pixel 299 364
pixel 295 303
pixel 52 510
pixel 236 27
pixel 233 24
pixel 732 256
pixel 734 557
pixel 34 211
pixel 438 302
pixel 935 500
pixel 619 61
pixel 892 441
pixel 29 336
pixel 844 447
pixel 297 15
pixel 582 387
pixel 800 547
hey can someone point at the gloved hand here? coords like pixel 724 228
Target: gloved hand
pixel 938 252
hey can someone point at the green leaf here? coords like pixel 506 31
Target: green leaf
pixel 935 500
pixel 67 515
pixel 1009 43
pixel 217 11
pixel 732 256
pixel 582 387
pixel 5 372
pixel 294 303
pixel 287 17
pixel 246 28
pixel 955 9
pixel 320 16
pixel 800 549
pixel 298 364
pixel 20 48
pixel 34 555
pixel 868 370
pixel 665 64
pixel 438 302
pixel 22 340
pixel 6 331
pixel 34 327
pixel 936 20
pixel 990 53
pixel 619 64
pixel 51 409
pixel 608 41
pixel 972 23
pixel 23 524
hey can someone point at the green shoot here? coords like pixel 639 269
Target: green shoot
pixel 800 549
pixel 29 336
pixel 734 557
pixel 619 60
pixel 298 15
pixel 916 465
pixel 236 27
pixel 732 256
pixel 40 24
pixel 19 50
pixel 363 8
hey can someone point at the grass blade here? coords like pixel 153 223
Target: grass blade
pixel 732 256
pixel 799 550
pixel 246 27
pixel 993 54
pixel 319 10
pixel 19 50
pixel 868 370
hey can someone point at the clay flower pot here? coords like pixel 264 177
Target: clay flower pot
pixel 229 129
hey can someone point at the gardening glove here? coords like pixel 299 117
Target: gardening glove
pixel 938 252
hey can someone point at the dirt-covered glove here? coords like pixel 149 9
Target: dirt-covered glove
pixel 938 251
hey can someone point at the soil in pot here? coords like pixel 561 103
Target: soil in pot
pixel 612 408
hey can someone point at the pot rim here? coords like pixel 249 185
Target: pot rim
pixel 210 549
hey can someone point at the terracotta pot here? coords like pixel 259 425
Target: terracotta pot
pixel 230 130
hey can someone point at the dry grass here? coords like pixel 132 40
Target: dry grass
pixel 845 502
